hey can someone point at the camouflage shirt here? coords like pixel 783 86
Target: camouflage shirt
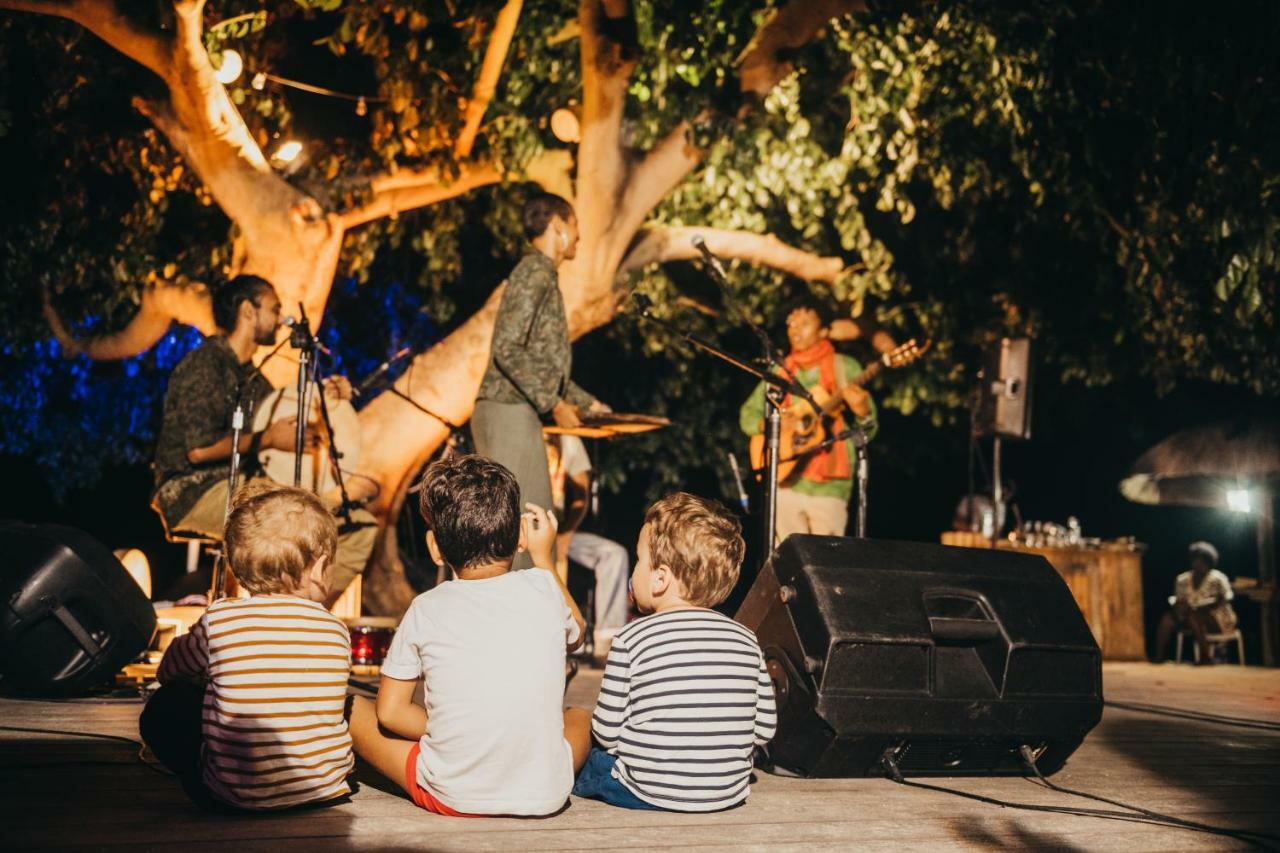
pixel 530 358
pixel 198 406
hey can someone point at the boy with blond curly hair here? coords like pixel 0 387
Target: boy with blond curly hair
pixel 686 696
pixel 250 711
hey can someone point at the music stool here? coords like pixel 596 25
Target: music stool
pixel 1213 640
pixel 195 541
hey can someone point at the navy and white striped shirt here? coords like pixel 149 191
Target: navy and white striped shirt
pixel 685 700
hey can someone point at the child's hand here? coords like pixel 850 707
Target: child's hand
pixel 539 534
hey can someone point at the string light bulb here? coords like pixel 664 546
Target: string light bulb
pixel 565 125
pixel 361 107
pixel 287 152
pixel 229 71
pixel 259 81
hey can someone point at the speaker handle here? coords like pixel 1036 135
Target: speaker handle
pixel 960 617
pixel 72 624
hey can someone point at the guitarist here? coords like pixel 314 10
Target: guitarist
pixel 815 497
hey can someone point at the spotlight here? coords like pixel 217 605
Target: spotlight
pixel 1239 500
pixel 287 152
pixel 229 71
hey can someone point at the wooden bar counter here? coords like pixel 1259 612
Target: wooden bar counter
pixel 1106 583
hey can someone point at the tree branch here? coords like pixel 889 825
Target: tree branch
pixel 662 169
pixel 662 244
pixel 151 50
pixel 763 63
pixel 495 55
pixel 403 191
pixel 608 57
pixel 162 303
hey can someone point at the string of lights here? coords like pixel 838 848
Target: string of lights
pixel 232 67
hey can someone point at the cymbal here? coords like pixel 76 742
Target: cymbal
pixel 610 425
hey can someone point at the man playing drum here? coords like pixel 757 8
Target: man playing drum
pixel 193 452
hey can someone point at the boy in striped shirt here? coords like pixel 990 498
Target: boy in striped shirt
pixel 686 696
pixel 250 711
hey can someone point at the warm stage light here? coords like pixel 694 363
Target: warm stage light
pixel 138 566
pixel 287 152
pixel 229 71
pixel 565 125
pixel 1239 500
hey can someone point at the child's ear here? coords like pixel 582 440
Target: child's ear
pixel 319 568
pixel 522 544
pixel 660 580
pixel 433 548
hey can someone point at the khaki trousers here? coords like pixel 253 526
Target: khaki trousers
pixel 801 513
pixel 354 545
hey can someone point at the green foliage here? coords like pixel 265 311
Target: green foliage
pixel 1099 176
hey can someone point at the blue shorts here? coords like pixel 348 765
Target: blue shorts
pixel 596 781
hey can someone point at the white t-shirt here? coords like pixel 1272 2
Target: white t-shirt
pixel 491 653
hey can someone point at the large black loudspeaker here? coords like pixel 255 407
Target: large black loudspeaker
pixel 1005 406
pixel 946 659
pixel 72 615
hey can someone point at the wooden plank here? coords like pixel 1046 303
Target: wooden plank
pixel 1190 768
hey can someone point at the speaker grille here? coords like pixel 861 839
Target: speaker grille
pixel 877 668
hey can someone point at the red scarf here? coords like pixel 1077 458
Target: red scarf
pixel 832 463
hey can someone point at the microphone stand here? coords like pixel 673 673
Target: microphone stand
pixel 863 471
pixel 305 341
pixel 776 387
pixel 774 393
pixel 217 588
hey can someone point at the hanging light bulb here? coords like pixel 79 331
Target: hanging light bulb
pixel 229 71
pixel 361 107
pixel 259 81
pixel 566 126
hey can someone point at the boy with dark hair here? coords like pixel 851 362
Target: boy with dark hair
pixel 250 713
pixel 686 696
pixel 530 361
pixel 490 648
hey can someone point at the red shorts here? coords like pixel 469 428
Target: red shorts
pixel 421 796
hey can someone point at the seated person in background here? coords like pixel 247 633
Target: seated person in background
pixel 250 713
pixel 490 648
pixel 606 559
pixel 1202 602
pixel 686 697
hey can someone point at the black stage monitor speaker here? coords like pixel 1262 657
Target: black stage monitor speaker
pixel 1005 407
pixel 946 660
pixel 72 615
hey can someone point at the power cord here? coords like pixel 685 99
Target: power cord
pixel 1135 815
pixel 1186 714
pixel 154 765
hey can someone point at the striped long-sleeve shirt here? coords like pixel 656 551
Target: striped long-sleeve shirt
pixel 685 700
pixel 276 671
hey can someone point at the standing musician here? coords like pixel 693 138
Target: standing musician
pixel 530 359
pixel 815 499
pixel 193 452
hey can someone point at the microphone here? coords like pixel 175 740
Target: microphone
pixel 709 256
pixel 381 370
pixel 295 326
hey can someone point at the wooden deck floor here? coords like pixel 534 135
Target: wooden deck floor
pixel 61 792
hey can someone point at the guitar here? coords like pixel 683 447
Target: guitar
pixel 803 428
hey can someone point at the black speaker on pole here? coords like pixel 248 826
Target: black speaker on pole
pixel 72 615
pixel 946 660
pixel 1004 408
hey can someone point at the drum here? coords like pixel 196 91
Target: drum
pixel 317 473
pixel 370 639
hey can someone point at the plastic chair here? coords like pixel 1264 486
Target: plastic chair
pixel 1213 640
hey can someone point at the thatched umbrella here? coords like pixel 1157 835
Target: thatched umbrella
pixel 1217 465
